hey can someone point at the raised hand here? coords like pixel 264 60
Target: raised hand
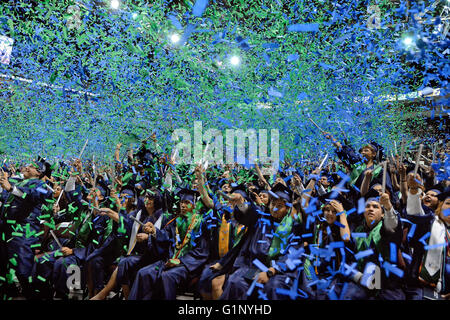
pixel 337 206
pixel 385 201
pixel 236 199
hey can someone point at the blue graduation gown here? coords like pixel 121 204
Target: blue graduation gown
pixel 157 282
pixel 255 245
pixel 213 221
pixel 416 250
pixel 24 210
pixel 59 279
pixel 348 155
pixel 142 254
pixel 105 255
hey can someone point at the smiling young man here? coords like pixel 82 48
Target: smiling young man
pixel 383 231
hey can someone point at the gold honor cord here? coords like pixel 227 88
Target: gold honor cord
pixel 180 247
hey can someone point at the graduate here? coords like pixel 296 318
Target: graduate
pixel 20 226
pixel 183 247
pixel 265 240
pixel 90 235
pixel 149 213
pixel 331 233
pixel 70 217
pixel 383 230
pixel 427 268
pixel 363 164
pixel 225 233
pixel 99 262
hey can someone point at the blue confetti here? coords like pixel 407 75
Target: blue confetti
pixel 199 7
pixel 311 27
pixel 363 254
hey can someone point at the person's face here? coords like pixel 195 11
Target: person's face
pixel 195 184
pixel 324 181
pixel 278 208
pixel 226 188
pixel 126 199
pixel 378 188
pixel 368 153
pixel 30 172
pixel 445 206
pixel 430 200
pixel 329 214
pixel 149 203
pixel 373 213
pixel 57 191
pixel 264 198
pixel 186 207
pixel 260 183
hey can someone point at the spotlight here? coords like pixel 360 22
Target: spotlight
pixel 175 38
pixel 115 4
pixel 408 41
pixel 134 15
pixel 235 60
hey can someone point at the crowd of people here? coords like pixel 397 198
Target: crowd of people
pixel 361 225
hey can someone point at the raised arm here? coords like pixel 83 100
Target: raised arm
pixel 117 152
pixel 336 143
pixel 403 184
pixel 345 231
pixel 206 199
pixel 261 177
pixel 344 152
pixel 310 187
pixel 393 174
pixel 365 185
pixel 390 220
pixel 415 190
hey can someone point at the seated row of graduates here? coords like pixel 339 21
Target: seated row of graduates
pixel 235 236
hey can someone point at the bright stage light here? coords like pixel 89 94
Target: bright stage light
pixel 115 4
pixel 134 15
pixel 175 38
pixel 408 41
pixel 235 60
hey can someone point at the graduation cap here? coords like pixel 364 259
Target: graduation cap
pixel 145 155
pixel 444 195
pixel 325 199
pixel 372 194
pixel 187 195
pixel 240 189
pixel 128 190
pixel 101 184
pixel 281 191
pixel 43 167
pixel 438 188
pixel 223 181
pixel 152 193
